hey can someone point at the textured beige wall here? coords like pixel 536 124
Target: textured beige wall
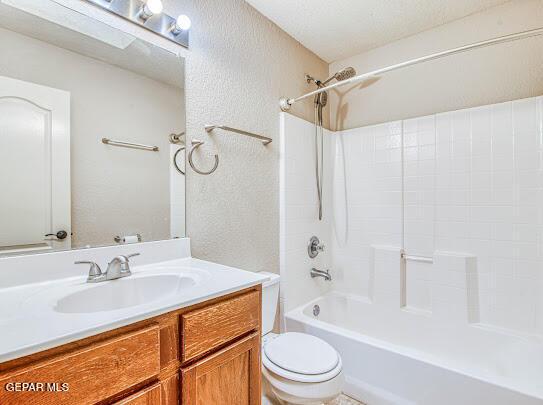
pixel 107 101
pixel 238 66
pixel 485 76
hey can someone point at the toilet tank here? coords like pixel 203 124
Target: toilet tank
pixel 270 296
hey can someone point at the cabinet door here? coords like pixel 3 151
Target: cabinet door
pixel 228 377
pixel 166 392
pixel 148 396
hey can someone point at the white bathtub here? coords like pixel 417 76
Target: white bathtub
pixel 393 356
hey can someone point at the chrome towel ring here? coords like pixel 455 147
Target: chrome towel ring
pixel 195 145
pixel 175 160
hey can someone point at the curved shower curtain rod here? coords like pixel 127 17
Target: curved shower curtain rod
pixel 286 103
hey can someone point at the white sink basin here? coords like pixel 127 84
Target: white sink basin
pixel 124 293
pixel 49 313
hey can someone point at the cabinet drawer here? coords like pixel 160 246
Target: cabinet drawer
pixel 89 375
pixel 215 325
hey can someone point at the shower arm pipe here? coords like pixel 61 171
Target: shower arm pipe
pixel 286 103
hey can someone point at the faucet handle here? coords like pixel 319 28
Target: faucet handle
pixel 314 247
pixel 94 269
pixel 125 266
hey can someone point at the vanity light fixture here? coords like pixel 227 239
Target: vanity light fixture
pixel 149 14
pixel 181 24
pixel 150 8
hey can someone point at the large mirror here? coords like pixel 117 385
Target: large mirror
pixel 92 121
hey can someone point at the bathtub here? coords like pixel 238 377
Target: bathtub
pixel 395 356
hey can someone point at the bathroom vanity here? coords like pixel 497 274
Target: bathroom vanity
pixel 206 353
pixel 194 337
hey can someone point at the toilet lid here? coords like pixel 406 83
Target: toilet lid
pixel 301 353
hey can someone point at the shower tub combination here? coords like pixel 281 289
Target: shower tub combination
pixel 392 356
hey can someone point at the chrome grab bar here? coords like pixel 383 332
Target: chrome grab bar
pixel 113 142
pixel 265 140
pixel 413 258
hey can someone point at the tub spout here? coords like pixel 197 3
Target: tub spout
pixel 321 273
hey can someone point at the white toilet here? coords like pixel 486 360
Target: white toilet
pixel 298 368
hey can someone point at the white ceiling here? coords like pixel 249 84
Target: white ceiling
pixel 338 29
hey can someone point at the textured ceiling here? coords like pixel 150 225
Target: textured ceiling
pixel 335 30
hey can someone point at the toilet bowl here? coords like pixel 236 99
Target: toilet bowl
pixel 301 368
pixel 297 367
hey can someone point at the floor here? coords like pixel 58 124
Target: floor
pixel 344 400
pixel 341 400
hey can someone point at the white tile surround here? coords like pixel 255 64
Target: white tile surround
pixel 463 187
pixel 298 213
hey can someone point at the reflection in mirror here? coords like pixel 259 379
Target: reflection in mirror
pixel 67 82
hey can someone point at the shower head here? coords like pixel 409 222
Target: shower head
pixel 322 98
pixel 343 74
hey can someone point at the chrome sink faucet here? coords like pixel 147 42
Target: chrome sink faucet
pixel 119 267
pixel 321 273
pixel 116 268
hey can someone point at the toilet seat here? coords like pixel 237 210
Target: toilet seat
pixel 294 392
pixel 301 357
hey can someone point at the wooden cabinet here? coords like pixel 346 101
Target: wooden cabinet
pixel 147 396
pixel 229 377
pixel 214 325
pixel 90 374
pixel 205 354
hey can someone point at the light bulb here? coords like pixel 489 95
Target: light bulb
pixel 181 24
pixel 150 8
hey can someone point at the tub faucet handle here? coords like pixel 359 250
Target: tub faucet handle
pixel 314 247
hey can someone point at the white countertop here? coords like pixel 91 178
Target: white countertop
pixel 29 322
